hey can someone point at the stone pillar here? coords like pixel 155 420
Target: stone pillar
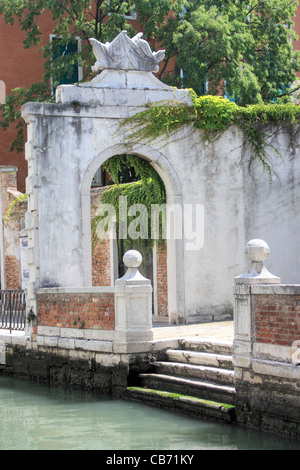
pixel 266 334
pixel 133 308
pixel 256 251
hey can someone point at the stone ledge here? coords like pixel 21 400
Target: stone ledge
pixel 278 289
pixel 276 369
pixel 273 352
pixel 82 111
pixel 10 338
pixel 75 344
pixel 90 345
pixel 76 290
pixel 107 97
pixel 75 333
pixel 243 353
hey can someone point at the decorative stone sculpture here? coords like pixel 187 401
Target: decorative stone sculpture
pixel 257 251
pixel 126 79
pixel 132 260
pixel 124 53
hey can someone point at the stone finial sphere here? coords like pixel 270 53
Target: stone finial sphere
pixel 132 259
pixel 257 250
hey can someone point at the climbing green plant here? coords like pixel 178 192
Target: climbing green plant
pixel 213 115
pixel 12 206
pixel 142 171
pixel 148 189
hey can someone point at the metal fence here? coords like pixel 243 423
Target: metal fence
pixel 12 309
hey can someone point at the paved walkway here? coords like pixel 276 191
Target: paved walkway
pixel 217 330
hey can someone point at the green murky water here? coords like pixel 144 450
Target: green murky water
pixel 38 417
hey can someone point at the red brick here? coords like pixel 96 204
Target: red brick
pixel 277 319
pixel 64 309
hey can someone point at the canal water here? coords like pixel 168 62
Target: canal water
pixel 41 417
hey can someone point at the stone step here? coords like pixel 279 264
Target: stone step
pixel 207 345
pixel 213 374
pixel 196 407
pixel 200 358
pixel 189 386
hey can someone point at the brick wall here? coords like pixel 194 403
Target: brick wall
pixel 12 228
pixel 13 273
pixel 75 310
pixel 101 256
pixel 277 319
pixel 101 263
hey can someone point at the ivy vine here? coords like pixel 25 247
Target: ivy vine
pixel 12 205
pixel 213 115
pixel 147 190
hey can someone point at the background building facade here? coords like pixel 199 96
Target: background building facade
pixel 21 67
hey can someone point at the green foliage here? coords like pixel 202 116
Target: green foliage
pixel 147 190
pixel 12 206
pixel 240 48
pixel 80 323
pixel 11 110
pixel 139 192
pixel 31 316
pixel 179 396
pixel 158 120
pixel 213 115
pixel 71 19
pixel 142 172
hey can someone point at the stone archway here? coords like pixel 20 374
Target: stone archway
pixel 67 142
pixel 175 249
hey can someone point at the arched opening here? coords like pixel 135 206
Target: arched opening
pixel 174 275
pixel 129 189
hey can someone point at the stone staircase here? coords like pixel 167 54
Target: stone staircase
pixel 197 378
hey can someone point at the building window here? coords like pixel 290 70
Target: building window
pixel 2 92
pixel 74 73
pixel 130 13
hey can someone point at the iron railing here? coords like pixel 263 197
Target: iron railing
pixel 12 309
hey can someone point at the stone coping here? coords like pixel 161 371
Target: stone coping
pixel 14 337
pixel 275 289
pixel 76 290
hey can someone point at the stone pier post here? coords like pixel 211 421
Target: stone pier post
pixel 256 251
pixel 265 348
pixel 133 308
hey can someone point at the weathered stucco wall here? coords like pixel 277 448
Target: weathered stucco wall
pixel 69 140
pixel 272 202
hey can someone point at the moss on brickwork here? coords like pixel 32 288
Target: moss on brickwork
pixel 178 396
pixel 184 404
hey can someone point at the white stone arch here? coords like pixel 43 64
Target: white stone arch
pixel 175 247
